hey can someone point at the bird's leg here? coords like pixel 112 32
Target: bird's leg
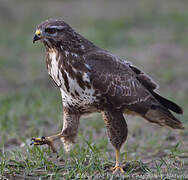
pixel 68 134
pixel 117 132
pixel 117 167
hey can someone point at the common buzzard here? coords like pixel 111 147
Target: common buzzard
pixel 92 79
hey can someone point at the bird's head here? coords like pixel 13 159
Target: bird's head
pixel 51 31
pixel 57 34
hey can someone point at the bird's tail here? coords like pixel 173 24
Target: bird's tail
pixel 161 115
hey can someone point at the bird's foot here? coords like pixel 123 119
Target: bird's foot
pixel 44 140
pixel 39 141
pixel 116 169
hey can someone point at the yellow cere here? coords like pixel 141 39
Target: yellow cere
pixel 37 32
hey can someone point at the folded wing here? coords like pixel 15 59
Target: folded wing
pixel 126 87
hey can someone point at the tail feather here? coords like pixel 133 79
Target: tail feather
pixel 167 103
pixel 162 116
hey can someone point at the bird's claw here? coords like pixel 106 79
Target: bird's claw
pixel 116 169
pixel 44 140
pixel 40 141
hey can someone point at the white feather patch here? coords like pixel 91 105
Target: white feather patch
pixel 83 97
pixel 53 71
pixel 67 145
pixel 86 96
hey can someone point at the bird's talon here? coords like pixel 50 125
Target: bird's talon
pixel 39 141
pixel 116 169
pixel 44 140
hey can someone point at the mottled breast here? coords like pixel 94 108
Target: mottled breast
pixel 75 87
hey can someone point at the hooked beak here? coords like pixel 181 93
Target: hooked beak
pixel 37 36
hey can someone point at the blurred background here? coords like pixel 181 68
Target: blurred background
pixel 152 34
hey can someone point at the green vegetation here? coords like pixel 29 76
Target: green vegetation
pixel 150 34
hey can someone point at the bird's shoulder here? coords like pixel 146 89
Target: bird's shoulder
pixel 104 64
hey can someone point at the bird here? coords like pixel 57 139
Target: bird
pixel 91 79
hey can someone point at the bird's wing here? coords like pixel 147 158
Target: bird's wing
pixel 119 81
pixel 145 79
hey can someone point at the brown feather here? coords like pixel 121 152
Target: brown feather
pixel 91 79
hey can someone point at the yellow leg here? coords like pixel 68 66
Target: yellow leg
pixel 117 166
pixel 47 140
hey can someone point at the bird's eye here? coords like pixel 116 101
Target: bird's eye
pixel 50 30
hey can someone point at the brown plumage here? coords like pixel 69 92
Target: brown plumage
pixel 94 80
